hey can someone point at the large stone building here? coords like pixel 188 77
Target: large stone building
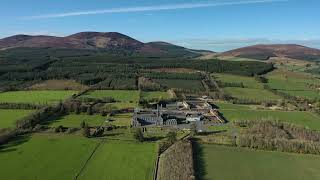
pixel 189 111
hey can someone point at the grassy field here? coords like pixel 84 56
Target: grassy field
pixel 119 160
pixel 253 89
pixel 122 105
pixel 8 117
pixel 58 85
pixel 155 95
pixel 118 95
pixel 195 85
pixel 248 82
pixel 121 119
pixel 294 83
pixel 74 120
pixel 35 97
pixel 251 94
pixel 45 157
pixel 305 93
pixel 225 106
pixel 229 163
pixel 241 112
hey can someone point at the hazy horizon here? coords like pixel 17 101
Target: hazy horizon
pixel 218 25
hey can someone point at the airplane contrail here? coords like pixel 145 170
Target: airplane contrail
pixel 150 8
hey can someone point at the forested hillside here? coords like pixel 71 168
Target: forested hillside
pixel 24 66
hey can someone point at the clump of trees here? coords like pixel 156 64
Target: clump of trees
pixel 86 130
pixel 138 135
pixel 230 84
pixel 260 79
pixel 146 84
pixel 278 136
pixel 6 135
pixel 41 116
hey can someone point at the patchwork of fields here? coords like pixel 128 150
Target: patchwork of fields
pixel 251 89
pixel 248 82
pixel 294 83
pixel 34 157
pixel 229 163
pixel 251 94
pixel 241 112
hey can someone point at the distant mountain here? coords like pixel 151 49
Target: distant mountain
pixel 265 52
pixel 98 41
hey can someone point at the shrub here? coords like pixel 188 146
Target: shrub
pixel 86 131
pixel 138 135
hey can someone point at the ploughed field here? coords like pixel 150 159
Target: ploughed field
pixel 230 163
pixel 8 117
pixel 35 97
pixel 43 156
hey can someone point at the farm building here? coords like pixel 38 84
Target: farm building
pixel 194 117
pixel 178 113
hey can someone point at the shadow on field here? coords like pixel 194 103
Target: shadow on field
pixel 198 161
pixel 153 138
pixel 10 147
pixel 113 134
pixel 211 132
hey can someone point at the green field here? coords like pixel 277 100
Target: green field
pixel 229 163
pixel 253 90
pixel 45 157
pixel 121 119
pixel 294 83
pixel 119 160
pixel 305 93
pixel 122 105
pixel 8 117
pixel 224 106
pixel 74 120
pixel 35 97
pixel 118 95
pixel 195 85
pixel 241 112
pixel 248 82
pixel 251 94
pixel 155 95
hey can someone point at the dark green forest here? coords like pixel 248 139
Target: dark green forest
pixel 114 69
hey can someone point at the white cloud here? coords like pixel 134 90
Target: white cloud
pixel 151 8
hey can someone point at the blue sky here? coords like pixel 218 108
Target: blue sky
pixel 203 24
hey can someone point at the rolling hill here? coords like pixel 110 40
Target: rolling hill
pixel 265 52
